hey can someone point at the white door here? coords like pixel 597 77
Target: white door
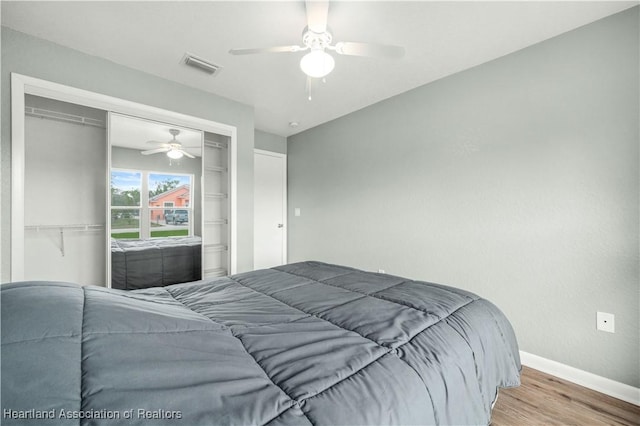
pixel 270 209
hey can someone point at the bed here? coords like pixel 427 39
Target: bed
pixel 156 262
pixel 300 344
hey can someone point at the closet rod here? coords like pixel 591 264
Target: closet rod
pixel 61 116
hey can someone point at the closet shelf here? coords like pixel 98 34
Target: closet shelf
pixel 63 228
pixel 215 169
pixel 216 222
pixel 215 272
pixel 76 227
pixel 213 144
pixel 61 116
pixel 215 195
pixel 214 247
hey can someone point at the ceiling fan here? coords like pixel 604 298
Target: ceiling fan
pixel 316 38
pixel 173 148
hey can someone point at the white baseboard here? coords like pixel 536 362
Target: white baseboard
pixel 583 378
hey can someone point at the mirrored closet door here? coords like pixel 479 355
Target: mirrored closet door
pixel 167 203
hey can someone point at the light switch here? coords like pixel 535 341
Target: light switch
pixel 296 211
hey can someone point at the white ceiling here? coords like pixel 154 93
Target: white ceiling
pixel 441 38
pixel 135 133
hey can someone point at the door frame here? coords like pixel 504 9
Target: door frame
pixel 283 157
pixel 22 85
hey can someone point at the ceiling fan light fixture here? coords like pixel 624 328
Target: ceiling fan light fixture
pixel 317 63
pixel 174 154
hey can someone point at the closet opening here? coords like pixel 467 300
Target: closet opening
pixel 65 163
pixel 72 210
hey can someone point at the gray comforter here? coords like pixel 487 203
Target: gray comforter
pixel 306 343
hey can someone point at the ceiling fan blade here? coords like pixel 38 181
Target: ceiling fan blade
pixel 275 49
pixel 154 151
pixel 186 153
pixel 367 49
pixel 317 12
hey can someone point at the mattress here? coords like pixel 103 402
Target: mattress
pixel 156 262
pixel 300 344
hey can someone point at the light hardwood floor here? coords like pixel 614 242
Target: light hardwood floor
pixel 547 400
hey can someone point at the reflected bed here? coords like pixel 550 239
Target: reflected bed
pixel 157 262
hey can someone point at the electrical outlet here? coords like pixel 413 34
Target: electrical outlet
pixel 381 271
pixel 606 322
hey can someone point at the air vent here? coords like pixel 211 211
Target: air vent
pixel 201 64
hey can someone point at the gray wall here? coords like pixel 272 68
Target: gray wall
pixel 270 142
pixel 517 180
pixel 35 57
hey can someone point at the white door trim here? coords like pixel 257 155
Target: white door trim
pixel 22 85
pixel 284 197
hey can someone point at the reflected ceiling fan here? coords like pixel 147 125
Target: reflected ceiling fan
pixel 316 38
pixel 173 148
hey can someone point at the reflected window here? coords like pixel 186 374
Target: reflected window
pixel 150 205
pixel 126 187
pixel 169 200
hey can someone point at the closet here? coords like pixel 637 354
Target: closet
pixel 65 211
pixel 64 192
pixel 215 184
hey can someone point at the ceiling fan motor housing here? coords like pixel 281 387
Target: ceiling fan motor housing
pixel 316 41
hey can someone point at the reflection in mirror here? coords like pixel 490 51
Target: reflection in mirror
pixel 155 224
pixel 125 203
pixel 169 204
